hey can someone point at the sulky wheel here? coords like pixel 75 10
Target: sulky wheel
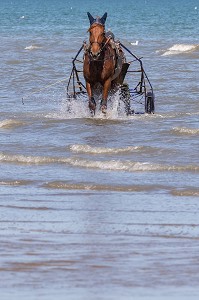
pixel 149 103
pixel 125 97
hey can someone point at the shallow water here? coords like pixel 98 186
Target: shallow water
pixel 98 207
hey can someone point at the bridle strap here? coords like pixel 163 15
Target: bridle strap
pixel 96 43
pixel 104 44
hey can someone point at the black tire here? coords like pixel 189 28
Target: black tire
pixel 125 97
pixel 149 103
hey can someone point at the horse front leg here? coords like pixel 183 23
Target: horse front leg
pixel 106 89
pixel 91 100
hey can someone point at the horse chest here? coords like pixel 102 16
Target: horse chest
pixel 97 71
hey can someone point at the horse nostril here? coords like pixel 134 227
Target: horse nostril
pixel 95 55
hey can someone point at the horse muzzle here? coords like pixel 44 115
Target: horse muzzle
pixel 95 55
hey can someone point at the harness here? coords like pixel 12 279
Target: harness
pixel 115 45
pixel 87 48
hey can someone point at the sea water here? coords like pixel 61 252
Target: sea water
pixel 98 207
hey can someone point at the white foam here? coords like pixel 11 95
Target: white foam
pixel 73 109
pixel 23 159
pixel 102 150
pixel 32 47
pixel 178 49
pixel 183 130
pixel 78 108
pixel 114 165
pixel 109 165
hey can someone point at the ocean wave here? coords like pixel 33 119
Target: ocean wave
pixel 32 47
pixel 186 193
pixel 15 182
pixel 179 49
pixel 110 165
pixel 10 123
pixel 185 131
pixel 119 188
pixel 23 159
pixel 96 187
pixel 129 166
pixel 103 150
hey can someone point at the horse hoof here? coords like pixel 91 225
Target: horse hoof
pixel 92 104
pixel 103 109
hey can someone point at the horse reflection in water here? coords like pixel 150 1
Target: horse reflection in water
pixel 102 62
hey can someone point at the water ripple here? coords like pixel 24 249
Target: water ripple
pixel 112 165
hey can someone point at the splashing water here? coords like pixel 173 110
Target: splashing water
pixel 71 108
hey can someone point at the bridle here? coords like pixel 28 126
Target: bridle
pixel 102 46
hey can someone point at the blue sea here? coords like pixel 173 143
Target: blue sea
pixel 98 207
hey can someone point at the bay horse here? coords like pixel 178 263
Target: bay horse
pixel 99 62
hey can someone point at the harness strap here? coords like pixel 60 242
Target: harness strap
pixel 101 49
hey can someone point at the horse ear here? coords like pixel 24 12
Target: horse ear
pixel 103 19
pixel 91 19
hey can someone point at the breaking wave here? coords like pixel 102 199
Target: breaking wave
pixel 110 165
pixel 96 187
pixel 15 182
pixel 32 47
pixel 9 123
pixel 103 150
pixel 185 131
pixel 179 49
pixel 119 188
pixel 186 193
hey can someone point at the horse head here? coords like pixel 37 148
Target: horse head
pixel 97 35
